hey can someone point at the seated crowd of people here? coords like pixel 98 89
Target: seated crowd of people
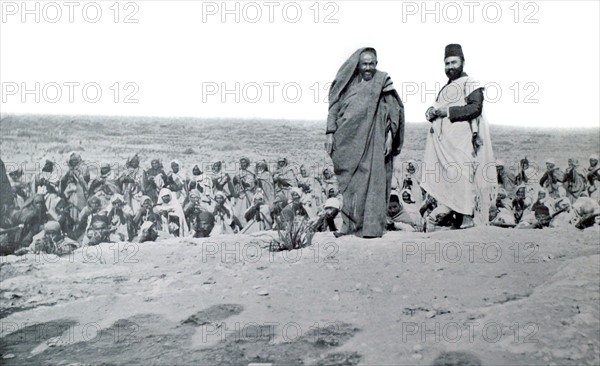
pixel 57 214
pixel 526 198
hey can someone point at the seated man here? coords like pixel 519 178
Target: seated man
pixel 32 217
pixel 284 177
pixel 587 211
pixel 398 218
pixel 294 209
pixel 203 223
pixel 51 240
pixel 506 179
pixel 503 215
pixel 98 231
pixel 552 179
pixel 225 220
pixel 120 217
pixel 258 216
pixel 575 181
pixel 593 177
pixel 325 219
pixel 540 214
pixel 171 212
pixel 441 217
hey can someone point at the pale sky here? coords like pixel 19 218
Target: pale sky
pixel 539 59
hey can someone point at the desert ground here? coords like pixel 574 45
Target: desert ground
pixel 484 295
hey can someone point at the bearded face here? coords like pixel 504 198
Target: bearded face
pixel 453 66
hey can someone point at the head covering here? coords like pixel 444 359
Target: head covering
pixel 164 192
pixel 594 157
pixel 332 203
pixel 551 161
pixel 453 49
pixel 345 74
pixel 143 199
pixel 132 161
pixel 74 158
pixel 176 162
pixel 258 194
pixel 245 159
pixel 409 193
pixel 117 198
pixel 52 226
pixel 194 193
pixel 281 198
pixel 45 160
pixel 280 159
pixel 220 193
pixel 105 169
pixel 502 191
pixel 394 197
pixel 499 162
pixel 297 190
pixel 93 199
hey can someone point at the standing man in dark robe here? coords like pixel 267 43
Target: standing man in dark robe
pixel 365 130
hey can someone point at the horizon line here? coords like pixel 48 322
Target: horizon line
pixel 4 115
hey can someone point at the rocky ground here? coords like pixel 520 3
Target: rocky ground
pixel 491 296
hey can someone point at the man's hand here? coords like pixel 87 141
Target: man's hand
pixel 430 114
pixel 388 143
pixel 329 143
pixel 441 113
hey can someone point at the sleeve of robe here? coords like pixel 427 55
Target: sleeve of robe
pixel 396 120
pixel 469 111
pixel 334 109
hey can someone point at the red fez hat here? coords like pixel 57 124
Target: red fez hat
pixel 453 50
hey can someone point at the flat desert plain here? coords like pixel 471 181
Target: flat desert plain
pixel 483 295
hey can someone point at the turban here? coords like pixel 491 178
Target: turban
pixel 453 50
pixel 52 226
pixel 220 193
pixel 594 157
pixel 499 162
pixel 143 199
pixel 194 193
pixel 332 203
pixel 394 197
pixel 281 198
pixel 258 194
pixel 164 192
pixel 117 198
pixel 94 199
pixel 297 190
pixel 551 161
pixel 74 158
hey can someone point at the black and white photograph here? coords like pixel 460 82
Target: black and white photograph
pixel 310 182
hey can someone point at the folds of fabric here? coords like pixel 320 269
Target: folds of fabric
pixel 360 116
pixel 454 173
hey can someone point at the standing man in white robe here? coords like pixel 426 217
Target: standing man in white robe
pixel 459 167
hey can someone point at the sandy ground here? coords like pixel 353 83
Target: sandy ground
pixel 523 297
